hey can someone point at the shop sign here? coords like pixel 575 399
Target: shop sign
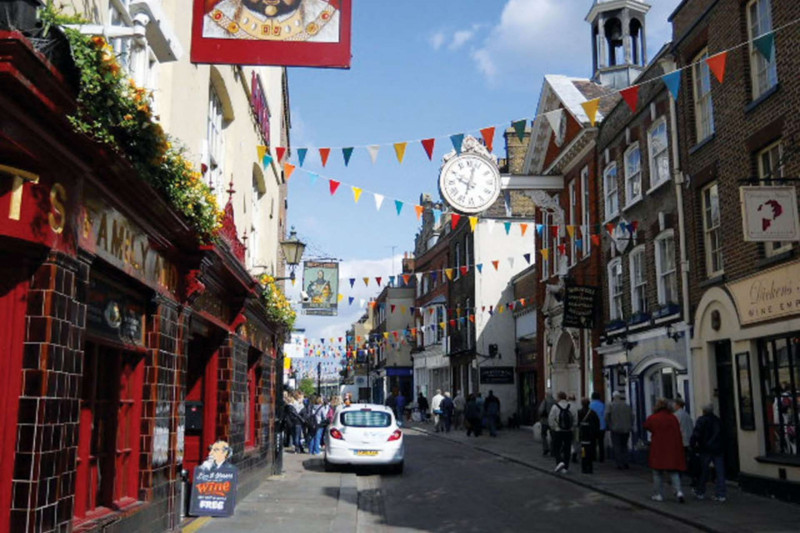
pixel 497 375
pixel 772 294
pixel 115 314
pixel 580 302
pixel 111 236
pixel 769 214
pixel 214 488
pixel 258 102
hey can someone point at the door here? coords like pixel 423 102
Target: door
pixel 201 387
pixel 727 406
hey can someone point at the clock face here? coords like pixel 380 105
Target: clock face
pixel 470 183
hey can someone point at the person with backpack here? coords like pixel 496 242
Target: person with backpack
pixel 319 413
pixel 544 420
pixel 708 438
pixel 562 424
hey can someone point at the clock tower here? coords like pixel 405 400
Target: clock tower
pixel 618 41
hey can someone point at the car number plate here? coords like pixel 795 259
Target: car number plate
pixel 366 452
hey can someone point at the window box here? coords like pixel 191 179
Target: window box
pixel 668 309
pixel 614 325
pixel 638 318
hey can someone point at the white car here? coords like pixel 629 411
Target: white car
pixel 364 434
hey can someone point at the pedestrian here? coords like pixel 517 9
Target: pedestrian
pixel 575 445
pixel 619 420
pixel 459 403
pixel 544 420
pixel 666 450
pixel 348 399
pixel 491 410
pixel 562 423
pixel 422 406
pixel 297 421
pixel 447 408
pixel 598 406
pixel 391 403
pixel 472 414
pixel 436 403
pixel 400 409
pixel 708 438
pixel 320 414
pixel 687 427
pixel 588 427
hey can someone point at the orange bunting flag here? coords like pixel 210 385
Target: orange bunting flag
pixel 545 254
pixel 356 193
pixel 427 144
pixel 323 155
pixel 571 231
pixel 610 227
pixel 591 108
pixel 596 240
pixel 522 301
pixel 400 150
pixel 523 228
pixel 488 137
pixel 288 168
pixel 419 209
pixel 472 318
pixel 717 65
pixel 454 218
pixel 334 185
pixel 406 278
pixel 403 309
pixel 473 221
pixel 366 282
pixel 631 96
pixel 496 264
pixel 280 151
pixel 449 273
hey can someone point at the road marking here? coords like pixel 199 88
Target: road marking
pixel 196 524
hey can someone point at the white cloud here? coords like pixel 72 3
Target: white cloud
pixel 437 40
pixel 460 38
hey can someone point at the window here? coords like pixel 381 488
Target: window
pixel 657 146
pixel 703 106
pixel 440 318
pixel 633 174
pixel 615 289
pixel 638 280
pixel 610 186
pixel 215 143
pixel 764 72
pixel 780 388
pixel 711 230
pixel 573 204
pixel 366 418
pixel 666 273
pixel 770 166
pixel 585 221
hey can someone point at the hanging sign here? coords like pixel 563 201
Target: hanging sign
pixel 300 33
pixel 321 287
pixel 579 306
pixel 769 214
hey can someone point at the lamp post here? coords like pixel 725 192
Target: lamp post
pixel 292 249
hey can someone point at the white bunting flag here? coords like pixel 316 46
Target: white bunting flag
pixel 554 118
pixel 378 201
pixel 373 152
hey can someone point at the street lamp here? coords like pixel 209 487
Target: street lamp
pixel 292 249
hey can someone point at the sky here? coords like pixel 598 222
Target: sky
pixel 420 69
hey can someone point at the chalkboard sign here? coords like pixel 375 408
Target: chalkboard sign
pixel 214 489
pixel 579 305
pixel 497 375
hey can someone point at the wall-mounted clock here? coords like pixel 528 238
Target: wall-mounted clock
pixel 470 182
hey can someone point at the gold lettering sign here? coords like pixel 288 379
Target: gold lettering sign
pixel 768 295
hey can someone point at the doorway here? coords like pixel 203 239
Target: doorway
pixel 201 401
pixel 727 406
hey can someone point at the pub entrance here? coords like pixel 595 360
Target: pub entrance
pixel 202 383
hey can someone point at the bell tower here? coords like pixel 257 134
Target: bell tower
pixel 619 53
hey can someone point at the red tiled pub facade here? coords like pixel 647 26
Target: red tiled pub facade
pixel 128 348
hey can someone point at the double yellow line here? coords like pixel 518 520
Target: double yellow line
pixel 196 524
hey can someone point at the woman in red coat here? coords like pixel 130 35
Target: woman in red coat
pixel 666 450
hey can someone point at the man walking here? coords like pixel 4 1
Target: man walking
pixel 562 423
pixel 599 407
pixel 459 403
pixel 544 420
pixel 436 408
pixel 708 438
pixel 619 419
pixel 447 408
pixel 491 409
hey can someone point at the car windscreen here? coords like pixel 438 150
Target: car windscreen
pixel 366 419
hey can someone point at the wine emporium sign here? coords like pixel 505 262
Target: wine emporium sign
pixel 579 306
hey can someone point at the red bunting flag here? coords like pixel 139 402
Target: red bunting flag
pixel 495 264
pixel 635 225
pixel 430 311
pixel 464 269
pixel 323 155
pixel 334 185
pixel 280 151
pixel 610 227
pixel 288 168
pixel 488 137
pixel 452 323
pixel 554 229
pixel 454 218
pixel 562 248
pixel 378 281
pixel 391 307
pixel 596 240
pixel 717 65
pixel 631 96
pixel 427 144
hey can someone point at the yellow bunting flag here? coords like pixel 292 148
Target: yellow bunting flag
pixel 473 221
pixel 366 281
pixel 400 150
pixel 591 107
pixel 545 254
pixel 403 309
pixel 441 325
pixel 288 168
pixel 340 297
pixel 356 193
pixel 385 334
pixel 449 273
pixel 262 151
pixel 419 209
pixel 571 231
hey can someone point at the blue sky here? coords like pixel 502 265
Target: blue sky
pixel 420 69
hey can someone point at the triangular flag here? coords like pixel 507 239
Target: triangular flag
pixel 454 218
pixel 400 150
pixel 301 155
pixel 333 186
pixel 352 282
pixel 579 244
pixel 378 201
pixel 562 248
pixel 266 161
pixel 539 228
pixel 437 214
pixel 490 226
pixel 496 264
pixel 596 240
pixel 280 151
pixel 323 155
pixel 339 299
pixel 519 127
pixel 442 324
pixel 449 273
pixel 314 177
pixel 488 137
pixel 545 254
pixel 764 44
pixel 554 229
pixel 288 168
pixel 523 228
pixel 385 334
pixel 457 140
pixel 571 231
pixel 717 65
pixel 631 96
pixel 419 209
pixel 610 227
pixel 366 281
pixel 473 221
pixel 464 269
pixel 479 266
pixel 378 281
pixel 511 262
pixel 356 193
pixel 590 108
pixel 347 153
pixel 398 205
pixel 427 144
pixel 472 318
pixel 391 281
pixel 261 150
pixel 673 82
pixel 434 276
pixel 527 258
pixel 554 119
pixel 350 300
pixel 373 152
pixel 406 278
pixel 418 275
pixel 507 226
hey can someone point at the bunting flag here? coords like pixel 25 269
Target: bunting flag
pixel 288 168
pixel 419 210
pixel 479 266
pixel 378 281
pixel 323 155
pixel 631 96
pixel 333 186
pixel 545 254
pixel 717 65
pixel 596 240
pixel 406 278
pixel 540 228
pixel 399 206
pixel 523 228
pixel 373 152
pixel 350 300
pixel 571 231
pixel 437 215
pixel 764 44
pixel 314 177
pixel 261 150
pixel 266 161
pixel 507 226
pixel 554 119
pixel 339 299
pixel 427 144
pixel 454 218
pixel 418 275
pixel 347 153
pixel 280 151
pixel 590 107
pixel 562 248
pixel 301 155
pixel 511 262
pixel 554 230
pixel 391 281
pixel 449 273
pixel 673 82
pixel 464 269
pixel 473 221
pixel 356 193
pixel 366 281
pixel 457 140
pixel 352 282
pixel 378 201
pixel 434 276
pixel 579 244
pixel 519 127
pixel 527 258
pixel 496 264
pixel 400 150
pixel 488 137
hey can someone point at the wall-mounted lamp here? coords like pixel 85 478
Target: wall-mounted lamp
pixel 673 333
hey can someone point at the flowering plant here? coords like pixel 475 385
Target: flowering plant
pixel 277 305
